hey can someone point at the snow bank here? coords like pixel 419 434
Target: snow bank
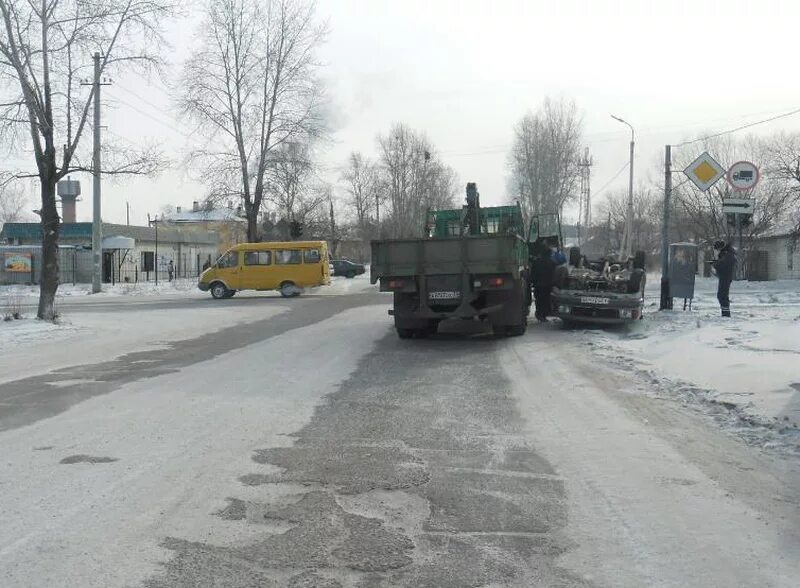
pixel 747 364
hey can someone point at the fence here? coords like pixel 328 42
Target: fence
pixel 21 264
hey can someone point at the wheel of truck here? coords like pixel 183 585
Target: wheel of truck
pixel 575 256
pixel 432 328
pixel 517 330
pixel 218 290
pixel 230 294
pixel 638 260
pixel 636 281
pixel 499 330
pixel 289 290
pixel 405 333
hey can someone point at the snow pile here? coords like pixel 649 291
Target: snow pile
pixel 341 285
pixel 743 369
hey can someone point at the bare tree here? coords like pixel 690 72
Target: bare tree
pixel 543 161
pixel 415 180
pixel 12 203
pixel 645 226
pixel 45 51
pixel 252 87
pixel 364 187
pixel 782 152
pixel 291 186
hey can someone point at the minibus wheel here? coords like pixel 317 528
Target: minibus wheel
pixel 218 290
pixel 289 290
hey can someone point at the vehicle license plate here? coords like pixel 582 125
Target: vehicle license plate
pixel 593 300
pixel 444 295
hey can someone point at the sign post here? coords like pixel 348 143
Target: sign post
pixel 742 175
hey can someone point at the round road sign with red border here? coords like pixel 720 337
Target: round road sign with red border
pixel 743 175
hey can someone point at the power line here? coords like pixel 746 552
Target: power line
pixel 608 183
pixel 740 128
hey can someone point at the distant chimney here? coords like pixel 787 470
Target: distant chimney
pixel 69 190
pixel 68 214
pixel 195 206
pixel 178 209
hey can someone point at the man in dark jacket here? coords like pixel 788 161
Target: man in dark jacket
pixel 542 275
pixel 725 266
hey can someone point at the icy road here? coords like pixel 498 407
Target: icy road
pixel 295 443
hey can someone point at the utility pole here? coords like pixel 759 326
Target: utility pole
pixel 584 203
pixel 666 300
pixel 626 246
pixel 97 217
pixel 128 212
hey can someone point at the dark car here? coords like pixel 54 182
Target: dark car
pixel 345 267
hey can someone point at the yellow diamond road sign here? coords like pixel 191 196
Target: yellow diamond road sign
pixel 704 171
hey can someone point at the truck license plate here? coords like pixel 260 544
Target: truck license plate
pixel 444 295
pixel 593 300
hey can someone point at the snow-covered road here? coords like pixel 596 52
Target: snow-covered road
pixel 274 442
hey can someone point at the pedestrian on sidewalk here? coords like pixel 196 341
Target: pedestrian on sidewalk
pixel 170 270
pixel 725 267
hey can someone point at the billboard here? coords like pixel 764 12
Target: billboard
pixel 17 262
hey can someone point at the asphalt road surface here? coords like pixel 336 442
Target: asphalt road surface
pixel 315 449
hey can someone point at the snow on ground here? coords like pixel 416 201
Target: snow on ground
pixel 101 335
pixel 180 448
pixel 747 364
pixel 82 337
pixel 179 287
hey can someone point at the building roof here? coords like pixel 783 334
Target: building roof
pixel 215 215
pixel 781 230
pixel 273 244
pixel 77 231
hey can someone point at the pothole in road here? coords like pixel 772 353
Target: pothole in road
pixel 413 474
pixel 82 458
pixel 73 382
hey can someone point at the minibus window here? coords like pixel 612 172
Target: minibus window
pixel 288 256
pixel 230 259
pixel 312 256
pixel 257 257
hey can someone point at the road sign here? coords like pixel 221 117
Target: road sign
pixel 704 171
pixel 743 175
pixel 738 205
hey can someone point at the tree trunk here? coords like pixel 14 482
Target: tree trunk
pixel 51 227
pixel 252 227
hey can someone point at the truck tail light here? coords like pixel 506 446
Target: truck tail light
pixel 395 284
pixel 494 282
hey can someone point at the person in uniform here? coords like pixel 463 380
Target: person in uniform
pixel 725 267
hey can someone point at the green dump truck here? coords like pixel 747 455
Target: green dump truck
pixel 473 265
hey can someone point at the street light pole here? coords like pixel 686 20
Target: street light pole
pixel 625 248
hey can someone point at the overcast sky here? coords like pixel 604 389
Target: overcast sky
pixel 465 71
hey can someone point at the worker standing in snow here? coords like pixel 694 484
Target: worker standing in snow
pixel 725 266
pixel 543 274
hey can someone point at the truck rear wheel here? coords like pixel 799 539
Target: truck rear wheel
pixel 517 330
pixel 405 333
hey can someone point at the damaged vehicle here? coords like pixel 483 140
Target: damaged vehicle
pixel 602 291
